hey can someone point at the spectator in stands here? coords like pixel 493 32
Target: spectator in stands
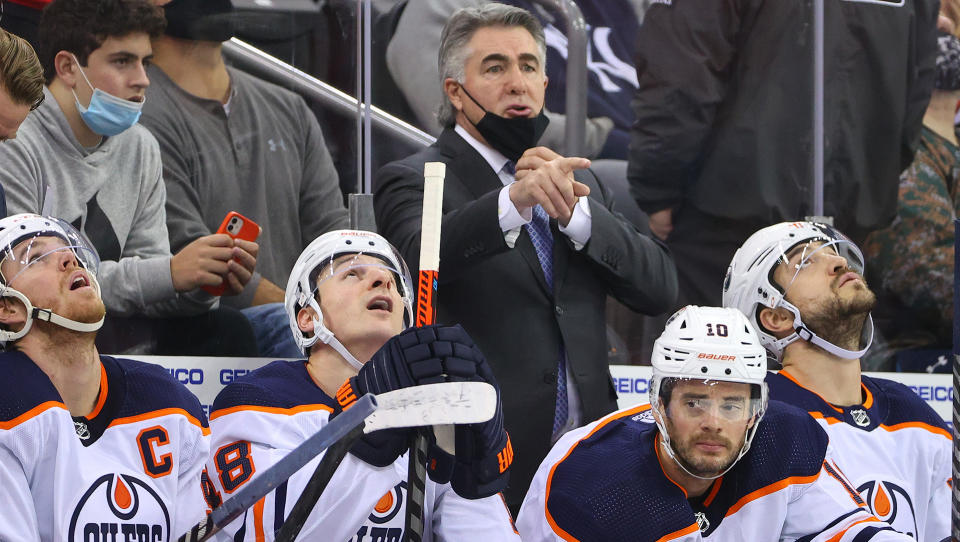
pixel 527 258
pixel 82 158
pixel 611 80
pixel 912 260
pixel 801 286
pixel 21 85
pixel 722 140
pixel 231 142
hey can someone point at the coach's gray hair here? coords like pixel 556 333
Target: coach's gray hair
pixel 458 32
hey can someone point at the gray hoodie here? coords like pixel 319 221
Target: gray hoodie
pixel 114 193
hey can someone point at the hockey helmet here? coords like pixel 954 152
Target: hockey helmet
pixel 20 243
pixel 750 285
pixel 708 345
pixel 315 265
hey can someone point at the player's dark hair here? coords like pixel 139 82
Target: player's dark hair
pixel 81 27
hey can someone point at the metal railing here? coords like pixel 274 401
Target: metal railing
pixel 576 102
pixel 254 61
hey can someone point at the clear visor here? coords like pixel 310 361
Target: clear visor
pixel 63 245
pixel 701 400
pixel 818 255
pixel 362 267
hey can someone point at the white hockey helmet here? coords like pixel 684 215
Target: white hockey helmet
pixel 709 345
pixel 317 258
pixel 18 242
pixel 750 286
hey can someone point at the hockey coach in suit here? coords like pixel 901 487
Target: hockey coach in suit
pixel 528 253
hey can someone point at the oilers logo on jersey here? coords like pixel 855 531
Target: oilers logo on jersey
pixel 891 503
pixel 384 528
pixel 138 511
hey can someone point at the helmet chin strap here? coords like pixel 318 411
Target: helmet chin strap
pixel 324 335
pixel 800 331
pixel 54 318
pixel 47 315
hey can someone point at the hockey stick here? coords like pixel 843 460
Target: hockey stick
pixel 448 402
pixel 463 402
pixel 283 469
pixel 315 487
pixel 433 173
pixel 462 405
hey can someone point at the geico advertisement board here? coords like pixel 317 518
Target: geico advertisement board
pixel 205 377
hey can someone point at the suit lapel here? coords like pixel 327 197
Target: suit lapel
pixel 467 165
pixel 478 177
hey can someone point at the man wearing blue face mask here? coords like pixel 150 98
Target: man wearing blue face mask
pixel 82 157
pixel 522 238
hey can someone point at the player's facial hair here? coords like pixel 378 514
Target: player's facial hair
pixel 684 454
pixel 840 321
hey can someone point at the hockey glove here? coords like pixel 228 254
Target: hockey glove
pixel 484 452
pixel 424 355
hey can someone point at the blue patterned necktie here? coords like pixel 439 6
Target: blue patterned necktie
pixel 542 238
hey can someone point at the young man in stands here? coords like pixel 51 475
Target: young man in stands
pixel 89 445
pixel 801 285
pixel 349 299
pixel 81 157
pixel 231 142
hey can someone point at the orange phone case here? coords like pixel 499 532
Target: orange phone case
pixel 236 226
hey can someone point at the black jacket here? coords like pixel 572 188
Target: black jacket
pixel 725 104
pixel 501 298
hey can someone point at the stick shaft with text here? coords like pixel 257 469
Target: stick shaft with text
pixel 433 173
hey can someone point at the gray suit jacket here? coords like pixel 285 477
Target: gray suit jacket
pixel 500 295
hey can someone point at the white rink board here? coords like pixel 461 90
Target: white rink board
pixel 205 377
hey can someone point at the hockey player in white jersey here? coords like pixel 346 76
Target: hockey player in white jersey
pixel 348 298
pixel 801 285
pixel 708 459
pixel 92 448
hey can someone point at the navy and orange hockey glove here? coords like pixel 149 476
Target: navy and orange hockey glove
pixel 424 355
pixel 484 453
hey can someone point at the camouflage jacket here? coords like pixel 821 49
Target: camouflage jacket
pixel 913 258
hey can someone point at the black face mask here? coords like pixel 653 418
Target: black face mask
pixel 511 136
pixel 200 20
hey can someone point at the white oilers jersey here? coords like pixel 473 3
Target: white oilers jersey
pixel 604 482
pixel 893 447
pixel 130 470
pixel 259 418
